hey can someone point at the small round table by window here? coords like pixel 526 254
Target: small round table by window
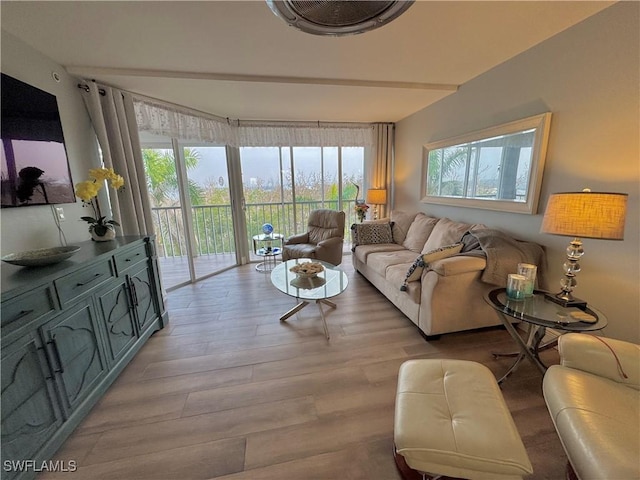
pixel 538 314
pixel 268 247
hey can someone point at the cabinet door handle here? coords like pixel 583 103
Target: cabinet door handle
pixel 134 294
pixel 130 259
pixel 129 295
pixel 22 314
pixel 95 277
pixel 56 352
pixel 46 359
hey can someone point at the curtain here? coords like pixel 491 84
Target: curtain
pixel 383 162
pixel 114 120
pixel 172 121
pixel 178 122
pixel 305 134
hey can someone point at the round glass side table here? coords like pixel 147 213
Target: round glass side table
pixel 538 314
pixel 268 247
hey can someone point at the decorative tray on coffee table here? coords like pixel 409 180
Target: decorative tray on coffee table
pixel 307 269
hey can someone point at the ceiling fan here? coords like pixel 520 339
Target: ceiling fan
pixel 338 17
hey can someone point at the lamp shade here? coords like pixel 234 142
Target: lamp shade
pixel 586 215
pixel 377 196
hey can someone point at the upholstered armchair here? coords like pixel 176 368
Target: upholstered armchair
pixel 322 241
pixel 593 397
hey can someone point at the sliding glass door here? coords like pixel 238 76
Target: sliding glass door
pixel 262 184
pixel 189 189
pixel 209 201
pixel 213 239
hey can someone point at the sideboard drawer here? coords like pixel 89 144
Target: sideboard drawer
pixel 27 307
pixel 71 287
pixel 131 257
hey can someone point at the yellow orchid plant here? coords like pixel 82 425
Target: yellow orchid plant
pixel 87 191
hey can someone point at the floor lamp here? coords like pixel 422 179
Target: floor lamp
pixel 376 196
pixel 583 214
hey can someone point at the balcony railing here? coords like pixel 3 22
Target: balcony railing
pixel 213 224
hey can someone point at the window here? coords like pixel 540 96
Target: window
pixel 283 184
pixel 499 168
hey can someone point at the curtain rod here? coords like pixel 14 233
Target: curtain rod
pixel 86 88
pixel 238 122
pixel 301 123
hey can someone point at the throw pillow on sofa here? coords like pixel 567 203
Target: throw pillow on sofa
pixel 415 270
pixel 419 232
pixel 445 232
pixel 401 222
pixel 370 233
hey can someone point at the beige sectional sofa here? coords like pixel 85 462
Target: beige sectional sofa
pixel 448 297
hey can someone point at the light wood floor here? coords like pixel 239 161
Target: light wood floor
pixel 226 391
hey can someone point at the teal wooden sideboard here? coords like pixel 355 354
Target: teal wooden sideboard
pixel 67 331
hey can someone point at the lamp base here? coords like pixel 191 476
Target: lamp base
pixel 566 300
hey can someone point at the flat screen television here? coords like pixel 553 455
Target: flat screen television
pixel 35 169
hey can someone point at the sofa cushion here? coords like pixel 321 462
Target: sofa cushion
pixel 363 251
pixel 419 231
pixel 401 223
pixel 395 276
pixel 417 267
pixel 445 232
pixel 380 261
pixel 371 233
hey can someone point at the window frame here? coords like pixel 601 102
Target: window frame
pixel 539 123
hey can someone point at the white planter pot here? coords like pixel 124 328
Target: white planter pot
pixel 109 235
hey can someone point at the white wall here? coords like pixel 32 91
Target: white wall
pixel 25 228
pixel 588 77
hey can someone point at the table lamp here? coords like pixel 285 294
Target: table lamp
pixel 583 214
pixel 376 196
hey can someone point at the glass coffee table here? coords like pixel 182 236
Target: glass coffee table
pixel 538 313
pixel 327 284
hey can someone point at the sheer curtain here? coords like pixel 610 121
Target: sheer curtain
pixel 179 122
pixel 304 134
pixel 114 120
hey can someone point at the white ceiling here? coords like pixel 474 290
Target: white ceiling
pixel 237 59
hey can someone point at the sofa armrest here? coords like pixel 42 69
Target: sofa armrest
pixel 300 238
pixel 590 354
pixel 458 264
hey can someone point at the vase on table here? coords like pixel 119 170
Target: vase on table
pixel 361 210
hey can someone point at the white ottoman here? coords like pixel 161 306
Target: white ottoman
pixel 451 420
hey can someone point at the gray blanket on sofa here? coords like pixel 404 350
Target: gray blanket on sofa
pixel 503 253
